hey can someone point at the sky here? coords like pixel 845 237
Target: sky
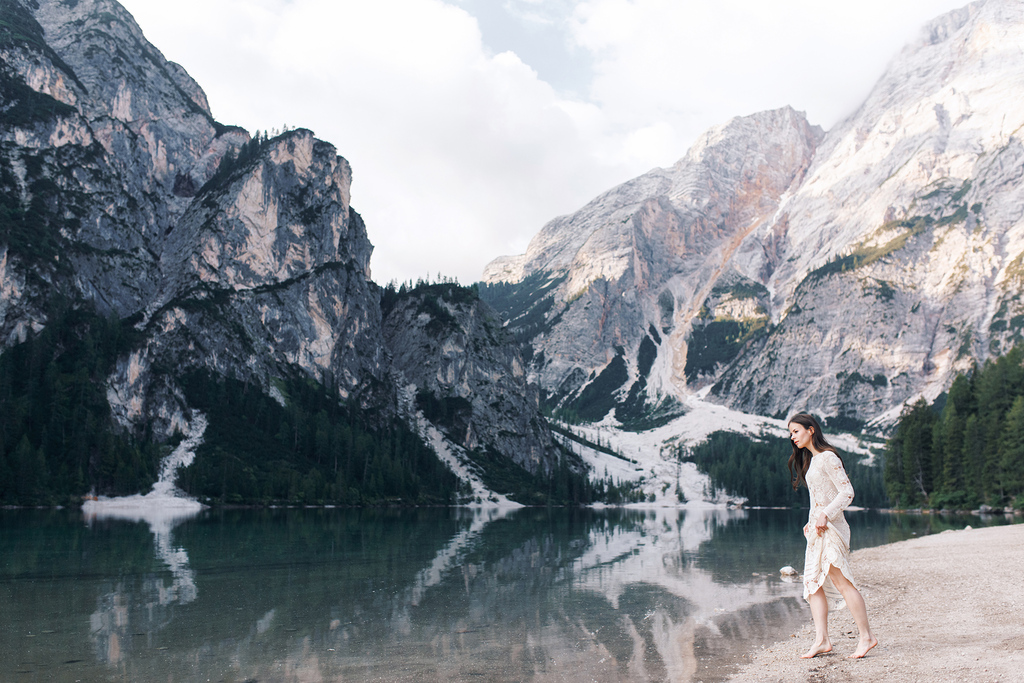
pixel 470 124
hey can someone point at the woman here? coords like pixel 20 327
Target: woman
pixel 816 464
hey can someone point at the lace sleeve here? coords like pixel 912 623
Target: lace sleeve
pixel 836 473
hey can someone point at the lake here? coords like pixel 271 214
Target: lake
pixel 426 594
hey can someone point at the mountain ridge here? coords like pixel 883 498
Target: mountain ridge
pixel 909 211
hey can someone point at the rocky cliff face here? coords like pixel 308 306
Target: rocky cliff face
pixel 621 283
pixel 899 258
pixel 237 256
pixel 844 274
pixel 468 376
pixel 102 129
pixel 267 271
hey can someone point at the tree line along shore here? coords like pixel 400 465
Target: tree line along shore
pixel 964 451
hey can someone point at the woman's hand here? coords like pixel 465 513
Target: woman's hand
pixel 822 524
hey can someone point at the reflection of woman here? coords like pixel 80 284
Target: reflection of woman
pixel 816 464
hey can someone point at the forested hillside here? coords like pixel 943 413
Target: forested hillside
pixel 967 448
pixel 56 441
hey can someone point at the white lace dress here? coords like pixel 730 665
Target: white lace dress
pixel 831 493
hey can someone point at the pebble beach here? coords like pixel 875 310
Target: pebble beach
pixel 947 607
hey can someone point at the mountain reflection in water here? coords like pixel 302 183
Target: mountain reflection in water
pixel 402 594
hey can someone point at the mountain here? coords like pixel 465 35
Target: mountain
pixel 781 269
pixel 168 258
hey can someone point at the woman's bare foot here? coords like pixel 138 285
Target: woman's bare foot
pixel 818 649
pixel 863 648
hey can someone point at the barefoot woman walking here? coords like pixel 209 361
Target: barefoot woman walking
pixel 816 464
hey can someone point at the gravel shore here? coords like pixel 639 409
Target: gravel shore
pixel 948 607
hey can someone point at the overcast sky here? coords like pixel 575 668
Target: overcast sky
pixel 471 123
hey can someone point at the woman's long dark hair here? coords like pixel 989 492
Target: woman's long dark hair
pixel 800 460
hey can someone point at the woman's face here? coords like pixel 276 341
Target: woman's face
pixel 800 435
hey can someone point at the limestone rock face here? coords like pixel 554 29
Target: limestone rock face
pixel 844 273
pixel 898 259
pixel 106 134
pixel 638 262
pixel 143 109
pixel 271 220
pixel 229 254
pixel 269 269
pixel 468 374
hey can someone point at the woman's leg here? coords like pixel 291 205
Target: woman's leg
pixel 819 611
pixel 858 609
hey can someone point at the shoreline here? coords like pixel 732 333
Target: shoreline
pixel 944 607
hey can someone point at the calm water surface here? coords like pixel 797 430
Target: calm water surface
pixel 405 595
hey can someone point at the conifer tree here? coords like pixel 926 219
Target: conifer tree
pixel 1009 470
pixel 973 459
pixel 977 444
pixel 909 461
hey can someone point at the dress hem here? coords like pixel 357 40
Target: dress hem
pixel 824 552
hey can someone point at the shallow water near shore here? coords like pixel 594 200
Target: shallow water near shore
pixel 406 594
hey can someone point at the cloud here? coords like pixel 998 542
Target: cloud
pixel 458 155
pixel 461 152
pixel 695 63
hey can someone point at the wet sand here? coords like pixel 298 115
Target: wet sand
pixel 948 607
